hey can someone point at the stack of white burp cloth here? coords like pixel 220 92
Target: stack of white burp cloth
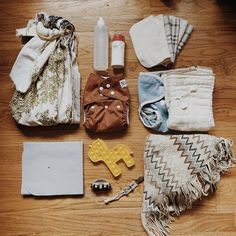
pixel 157 40
pixel 188 96
pixel 179 99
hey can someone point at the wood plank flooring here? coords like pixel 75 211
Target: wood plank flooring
pixel 213 43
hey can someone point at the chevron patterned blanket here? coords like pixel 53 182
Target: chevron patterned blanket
pixel 180 169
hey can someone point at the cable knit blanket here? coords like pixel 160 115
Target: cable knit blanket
pixel 179 169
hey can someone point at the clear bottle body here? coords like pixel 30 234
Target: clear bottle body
pixel 101 47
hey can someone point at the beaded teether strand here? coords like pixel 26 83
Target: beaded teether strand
pixel 126 190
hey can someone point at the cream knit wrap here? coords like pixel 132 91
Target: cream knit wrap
pixel 179 169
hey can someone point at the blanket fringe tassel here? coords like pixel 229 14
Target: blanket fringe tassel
pixel 156 223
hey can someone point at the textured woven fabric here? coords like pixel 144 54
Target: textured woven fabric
pixel 180 169
pixel 179 99
pixel 149 41
pixel 188 96
pixel 45 74
pixel 159 39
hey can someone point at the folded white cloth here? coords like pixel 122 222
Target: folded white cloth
pixel 188 94
pixel 149 40
pixel 52 168
pixel 30 62
pixel 158 39
pixel 46 74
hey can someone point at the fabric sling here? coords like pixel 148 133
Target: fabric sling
pixel 180 169
pixel 45 74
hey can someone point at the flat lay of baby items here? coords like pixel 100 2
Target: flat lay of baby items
pixel 100 185
pixel 118 51
pixel 126 190
pixel 45 74
pixel 106 103
pixel 98 151
pixel 179 170
pixel 157 40
pixel 179 99
pixel 52 168
pixel 101 46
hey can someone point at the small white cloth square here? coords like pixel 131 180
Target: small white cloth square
pixel 149 41
pixel 159 39
pixel 52 168
pixel 189 95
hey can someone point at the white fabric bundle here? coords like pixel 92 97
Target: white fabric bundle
pixel 46 74
pixel 159 39
pixel 188 94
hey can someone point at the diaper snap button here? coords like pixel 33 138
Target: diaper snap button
pixel 118 106
pixel 108 85
pixel 101 88
pixel 106 107
pixel 112 92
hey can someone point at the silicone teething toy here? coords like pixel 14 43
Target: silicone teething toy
pixel 99 152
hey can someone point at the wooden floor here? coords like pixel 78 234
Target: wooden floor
pixel 213 43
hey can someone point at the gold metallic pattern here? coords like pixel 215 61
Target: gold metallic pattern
pixel 52 79
pixel 69 113
pixel 53 76
pixel 23 102
pixel 45 119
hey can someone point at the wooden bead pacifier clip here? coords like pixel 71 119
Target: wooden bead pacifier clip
pixel 126 190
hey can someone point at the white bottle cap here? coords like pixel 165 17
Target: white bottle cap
pixel 100 21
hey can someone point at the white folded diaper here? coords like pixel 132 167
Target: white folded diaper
pixel 188 98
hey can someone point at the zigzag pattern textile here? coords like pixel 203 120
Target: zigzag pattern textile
pixel 180 169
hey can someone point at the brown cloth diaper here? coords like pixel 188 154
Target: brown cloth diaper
pixel 106 103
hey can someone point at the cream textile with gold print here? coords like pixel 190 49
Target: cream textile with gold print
pixel 46 75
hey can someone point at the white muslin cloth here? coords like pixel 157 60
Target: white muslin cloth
pixel 45 74
pixel 159 39
pixel 149 41
pixel 189 95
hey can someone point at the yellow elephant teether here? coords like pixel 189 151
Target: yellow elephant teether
pixel 98 151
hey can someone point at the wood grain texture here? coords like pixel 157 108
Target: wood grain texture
pixel 213 43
